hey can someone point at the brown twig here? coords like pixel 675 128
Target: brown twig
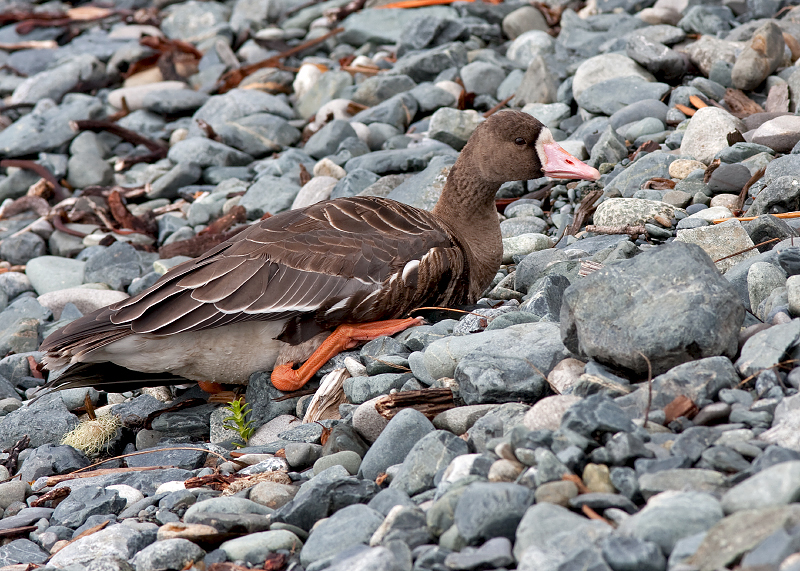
pixel 584 211
pixel 748 249
pixel 234 77
pixel 126 134
pixel 58 190
pixel 746 188
pixel 498 107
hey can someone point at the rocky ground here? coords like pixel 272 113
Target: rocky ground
pixel 627 396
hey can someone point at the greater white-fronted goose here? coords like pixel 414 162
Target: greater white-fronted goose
pixel 270 296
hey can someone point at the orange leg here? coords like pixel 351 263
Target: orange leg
pixel 285 378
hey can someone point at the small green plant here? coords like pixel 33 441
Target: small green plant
pixel 237 421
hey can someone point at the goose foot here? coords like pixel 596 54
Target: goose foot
pixel 286 378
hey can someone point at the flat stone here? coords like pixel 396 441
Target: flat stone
pixel 719 241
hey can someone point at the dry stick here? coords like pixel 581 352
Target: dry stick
pixel 743 194
pixel 748 249
pixel 781 215
pixel 126 134
pixel 58 190
pixel 780 364
pixel 94 473
pixel 632 230
pixel 235 77
pixel 499 106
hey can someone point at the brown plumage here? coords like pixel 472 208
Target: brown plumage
pixel 273 292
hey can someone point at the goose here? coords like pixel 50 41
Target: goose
pixel 305 284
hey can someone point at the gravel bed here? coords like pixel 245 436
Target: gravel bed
pixel 626 391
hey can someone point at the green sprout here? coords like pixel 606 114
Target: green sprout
pixel 237 421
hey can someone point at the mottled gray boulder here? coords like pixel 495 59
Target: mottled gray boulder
pixel 670 304
pixel 512 365
pixel 432 453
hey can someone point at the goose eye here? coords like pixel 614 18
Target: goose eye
pixel 520 141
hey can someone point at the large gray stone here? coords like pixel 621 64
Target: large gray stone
pixel 512 365
pixel 669 304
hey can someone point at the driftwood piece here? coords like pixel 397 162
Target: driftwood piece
pixel 634 231
pixel 55 495
pixel 330 394
pixel 681 405
pixel 127 220
pixel 53 480
pixel 429 402
pixel 740 104
pixel 584 211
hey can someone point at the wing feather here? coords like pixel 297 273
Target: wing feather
pixel 343 257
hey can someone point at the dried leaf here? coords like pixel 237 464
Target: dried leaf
pixel 681 405
pixel 90 13
pixel 740 104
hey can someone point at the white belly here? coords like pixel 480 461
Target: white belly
pixel 228 354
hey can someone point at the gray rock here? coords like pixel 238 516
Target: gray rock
pixel 238 103
pixel 50 459
pixel 664 349
pixel 424 189
pixel 544 522
pixel 54 83
pixel 325 141
pixel 538 85
pixel 348 527
pixel 453 127
pixel 430 455
pixel 700 380
pixel 395 442
pixel 766 348
pixel 387 26
pixel 649 166
pixel 396 111
pixel 426 65
pixel 379 88
pixel 707 133
pixel 168 554
pixel 628 553
pixel 254 548
pixel 22 248
pixel 498 422
pixel 121 542
pixel 530 45
pixel 680 479
pixel 399 160
pixel 655 57
pixel 206 153
pixel 406 524
pixel 259 134
pixel 495 553
pixel 510 366
pixel 168 185
pixel 353 183
pixel 87 169
pixel 760 58
pixel 522 20
pixel 487 510
pixel 671 516
pixel 740 532
pixel 84 502
pixel 268 194
pixel 118 265
pixel 707 20
pixel 22 551
pixel 47 126
pixel 614 94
